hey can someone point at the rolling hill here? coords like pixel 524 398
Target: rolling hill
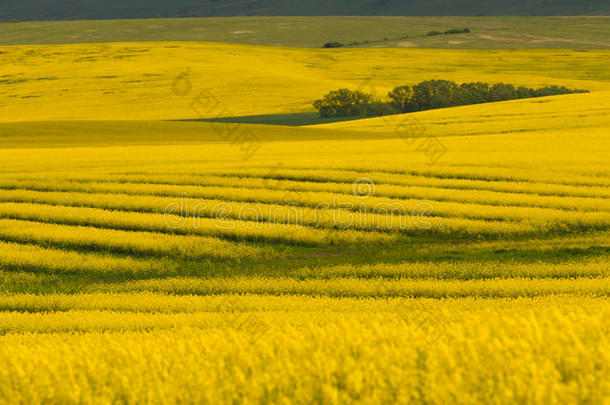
pixel 584 32
pixel 111 9
pixel 160 81
pixel 459 255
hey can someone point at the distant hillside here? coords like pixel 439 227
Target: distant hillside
pixel 110 9
pixel 583 32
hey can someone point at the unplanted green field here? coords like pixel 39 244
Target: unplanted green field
pixel 313 32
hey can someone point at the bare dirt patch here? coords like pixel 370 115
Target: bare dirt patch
pixel 406 44
pixel 503 39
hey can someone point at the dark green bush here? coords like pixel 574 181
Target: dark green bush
pixel 457 31
pixel 333 45
pixel 433 33
pixel 343 103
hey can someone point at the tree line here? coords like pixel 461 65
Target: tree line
pixel 427 95
pixel 449 32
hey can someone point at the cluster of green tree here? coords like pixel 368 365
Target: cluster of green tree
pixel 333 45
pixel 427 95
pixel 449 32
pixel 443 93
pixel 348 103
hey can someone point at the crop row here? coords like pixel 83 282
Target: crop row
pixel 271 206
pixel 146 302
pixel 536 174
pixel 380 288
pixel 484 197
pixel 272 176
pixel 126 242
pixel 554 356
pixel 175 224
pixel 577 174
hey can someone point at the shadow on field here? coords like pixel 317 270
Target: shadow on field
pixel 295 120
pixel 309 263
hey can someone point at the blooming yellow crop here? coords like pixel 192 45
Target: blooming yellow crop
pixel 403 351
pixel 452 256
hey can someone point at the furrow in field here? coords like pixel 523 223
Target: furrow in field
pixel 481 173
pixel 541 179
pixel 327 209
pixel 174 224
pixel 126 242
pixel 263 216
pixel 202 208
pixel 567 173
pixel 535 175
pixel 459 270
pixel 349 287
pixel 484 197
pixel 244 303
pixel 383 178
pixel 28 258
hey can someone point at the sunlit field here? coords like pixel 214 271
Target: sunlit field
pixel 446 256
pixel 160 81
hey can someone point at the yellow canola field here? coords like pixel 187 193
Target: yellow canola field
pixel 152 261
pixel 152 81
pixel 402 351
